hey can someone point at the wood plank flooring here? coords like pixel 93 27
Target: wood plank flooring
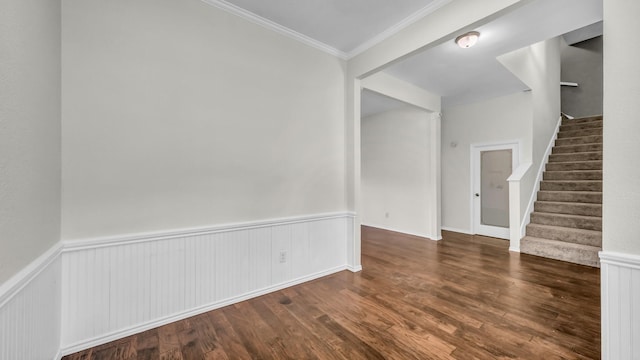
pixel 465 297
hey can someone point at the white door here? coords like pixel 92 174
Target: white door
pixel 492 165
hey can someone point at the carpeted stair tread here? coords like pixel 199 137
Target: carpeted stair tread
pixel 566 220
pixel 591 197
pixel 573 175
pixel 561 233
pixel 574 165
pixel 578 133
pixel 581 126
pixel 566 121
pixel 577 148
pixel 582 156
pixel 589 139
pixel 560 250
pixel 566 223
pixel 571 208
pixel 571 185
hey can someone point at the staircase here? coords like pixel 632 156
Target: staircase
pixel 566 223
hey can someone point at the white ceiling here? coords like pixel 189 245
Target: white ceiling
pixel 345 26
pixel 348 27
pixel 468 75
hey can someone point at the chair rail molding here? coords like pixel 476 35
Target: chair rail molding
pixel 84 293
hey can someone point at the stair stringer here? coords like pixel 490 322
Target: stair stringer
pixel 526 219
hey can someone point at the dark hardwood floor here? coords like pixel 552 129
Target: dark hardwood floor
pixel 465 297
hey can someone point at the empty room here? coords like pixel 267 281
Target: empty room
pixel 244 179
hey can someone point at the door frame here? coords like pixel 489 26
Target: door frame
pixel 474 205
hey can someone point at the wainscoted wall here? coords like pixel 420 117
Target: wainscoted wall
pixel 120 286
pixel 83 293
pixel 620 275
pixel 30 311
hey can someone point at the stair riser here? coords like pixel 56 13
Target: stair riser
pixel 592 139
pixel 570 166
pixel 581 126
pixel 582 257
pixel 571 222
pixel 587 156
pixel 565 234
pixel 571 186
pixel 576 148
pixel 573 175
pixel 581 120
pixel 578 133
pixel 569 208
pixel 570 196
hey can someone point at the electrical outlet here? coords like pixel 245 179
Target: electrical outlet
pixel 282 257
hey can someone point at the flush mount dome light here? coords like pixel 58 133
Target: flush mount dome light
pixel 467 40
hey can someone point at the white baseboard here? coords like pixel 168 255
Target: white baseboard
pixel 452 229
pixel 620 299
pixel 429 237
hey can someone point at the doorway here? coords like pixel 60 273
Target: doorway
pixel 492 164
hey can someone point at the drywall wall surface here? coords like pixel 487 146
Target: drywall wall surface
pixel 501 119
pixel 388 85
pixel 179 115
pixel 538 66
pixel 582 64
pixel 396 167
pixel 621 168
pixel 29 131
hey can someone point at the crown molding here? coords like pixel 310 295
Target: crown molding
pixel 259 20
pixel 247 15
pixel 433 6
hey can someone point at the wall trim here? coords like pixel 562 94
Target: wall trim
pixel 526 219
pixel 128 239
pixel 82 345
pixel 452 229
pixel 20 280
pixel 273 26
pixel 20 284
pixel 620 259
pixel 427 237
pixel 432 7
pixel 283 30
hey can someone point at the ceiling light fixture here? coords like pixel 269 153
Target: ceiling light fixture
pixel 467 40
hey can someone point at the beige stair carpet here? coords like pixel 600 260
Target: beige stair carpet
pixel 566 223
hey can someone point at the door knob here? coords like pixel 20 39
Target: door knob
pixel 477 195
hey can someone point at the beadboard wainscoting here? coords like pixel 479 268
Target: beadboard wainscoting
pixel 30 311
pixel 620 276
pixel 116 287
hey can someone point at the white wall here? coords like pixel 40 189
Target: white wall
pixel 499 119
pixel 582 64
pixel 29 178
pixel 396 168
pixel 30 131
pixel 177 114
pixel 621 195
pixel 538 66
